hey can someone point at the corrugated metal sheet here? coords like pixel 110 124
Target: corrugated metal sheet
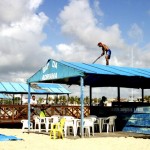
pixel 95 75
pixel 3 96
pixel 13 87
pixel 108 70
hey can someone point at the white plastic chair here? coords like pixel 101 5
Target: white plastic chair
pixel 38 121
pixel 56 118
pixel 87 125
pixel 69 124
pixel 25 125
pixel 110 123
pixel 51 120
pixel 95 120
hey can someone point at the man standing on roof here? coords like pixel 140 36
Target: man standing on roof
pixel 105 50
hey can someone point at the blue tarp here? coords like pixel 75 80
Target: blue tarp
pixel 8 138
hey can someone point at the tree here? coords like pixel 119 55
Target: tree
pixel 87 100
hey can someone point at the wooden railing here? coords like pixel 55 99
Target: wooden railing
pixel 131 117
pixel 15 113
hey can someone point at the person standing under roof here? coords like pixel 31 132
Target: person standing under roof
pixel 33 102
pixel 105 50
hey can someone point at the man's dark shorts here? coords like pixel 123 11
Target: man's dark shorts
pixel 108 53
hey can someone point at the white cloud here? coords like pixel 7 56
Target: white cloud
pixel 34 4
pixel 97 9
pixel 77 20
pixel 11 11
pixel 136 33
pixel 21 34
pixel 73 52
pixel 79 23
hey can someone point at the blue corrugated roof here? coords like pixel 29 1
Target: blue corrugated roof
pixel 108 70
pixel 95 75
pixel 53 88
pixel 13 87
pixel 3 96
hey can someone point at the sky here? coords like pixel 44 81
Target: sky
pixel 33 31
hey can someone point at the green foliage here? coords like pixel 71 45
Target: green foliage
pixel 147 98
pixel 65 100
pixel 40 100
pixel 56 99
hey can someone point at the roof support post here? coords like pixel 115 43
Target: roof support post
pixel 13 99
pixel 82 104
pixel 21 99
pixel 142 95
pixel 90 98
pixel 67 99
pixel 118 94
pixel 46 98
pixel 29 112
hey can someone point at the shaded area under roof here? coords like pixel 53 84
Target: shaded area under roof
pixel 38 88
pixel 95 75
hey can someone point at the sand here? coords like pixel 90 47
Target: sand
pixel 35 141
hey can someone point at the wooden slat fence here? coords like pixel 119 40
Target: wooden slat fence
pixel 15 113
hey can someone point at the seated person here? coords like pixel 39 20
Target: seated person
pixel 42 113
pixel 102 101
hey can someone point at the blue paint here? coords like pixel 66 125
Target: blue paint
pixel 138 121
pixel 130 118
pixel 137 130
pixel 29 113
pixel 82 104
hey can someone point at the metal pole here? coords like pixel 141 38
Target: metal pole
pixel 29 112
pixel 13 99
pixel 67 99
pixel 142 95
pixel 90 98
pixel 21 98
pixel 46 98
pixel 118 94
pixel 132 67
pixel 82 104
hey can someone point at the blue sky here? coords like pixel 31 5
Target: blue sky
pixel 125 13
pixel 33 31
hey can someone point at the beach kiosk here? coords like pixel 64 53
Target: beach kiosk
pixel 96 75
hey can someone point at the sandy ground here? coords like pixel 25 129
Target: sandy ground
pixel 35 141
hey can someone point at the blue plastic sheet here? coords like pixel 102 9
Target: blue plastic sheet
pixel 8 138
